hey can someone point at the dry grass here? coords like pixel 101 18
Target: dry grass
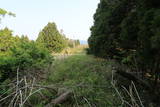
pixel 70 51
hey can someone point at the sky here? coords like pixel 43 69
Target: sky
pixel 75 17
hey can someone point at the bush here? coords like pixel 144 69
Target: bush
pixel 25 56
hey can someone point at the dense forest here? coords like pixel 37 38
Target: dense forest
pixel 128 31
pixel 120 66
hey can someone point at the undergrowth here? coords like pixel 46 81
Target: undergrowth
pixel 89 79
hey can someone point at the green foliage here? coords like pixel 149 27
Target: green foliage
pixel 122 29
pixel 4 12
pixel 105 32
pixel 6 39
pixel 20 53
pixel 30 55
pixel 128 31
pixel 55 41
pixel 51 38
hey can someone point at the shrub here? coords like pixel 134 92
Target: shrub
pixel 25 56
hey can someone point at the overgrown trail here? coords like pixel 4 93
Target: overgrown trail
pixel 81 80
pixel 89 79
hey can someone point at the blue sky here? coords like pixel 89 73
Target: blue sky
pixel 75 17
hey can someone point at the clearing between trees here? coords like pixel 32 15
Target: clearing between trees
pixel 80 80
pixel 76 80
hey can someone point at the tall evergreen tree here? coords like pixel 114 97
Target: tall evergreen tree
pixel 51 38
pixel 128 30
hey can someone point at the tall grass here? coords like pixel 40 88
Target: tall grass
pixel 89 78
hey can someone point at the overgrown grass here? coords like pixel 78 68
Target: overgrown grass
pixel 89 79
pixel 80 49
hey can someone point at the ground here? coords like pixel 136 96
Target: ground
pixel 89 79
